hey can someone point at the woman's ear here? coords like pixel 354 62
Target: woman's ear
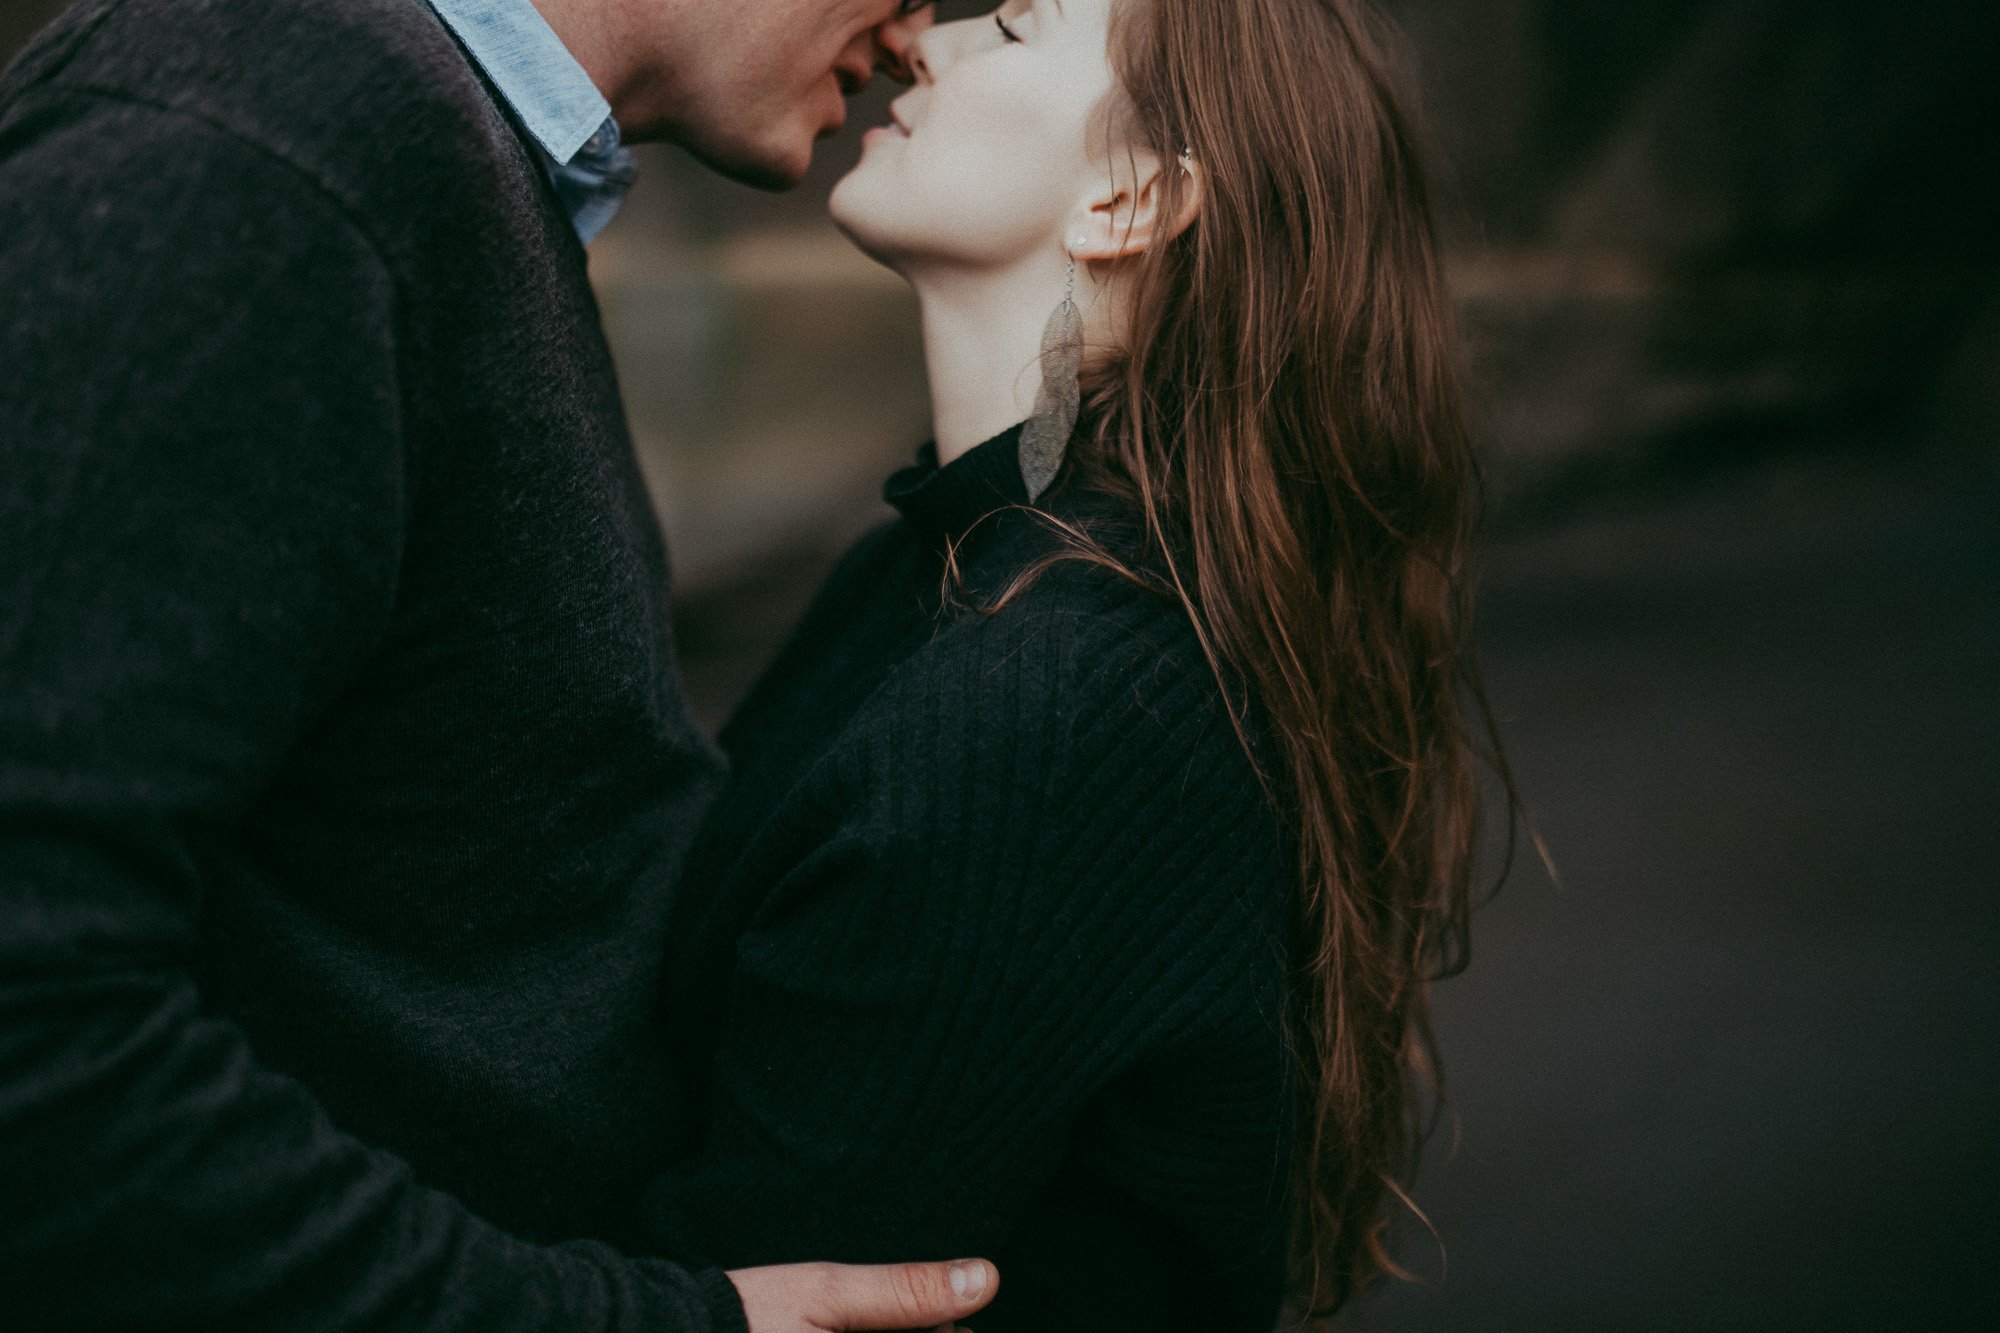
pixel 1131 216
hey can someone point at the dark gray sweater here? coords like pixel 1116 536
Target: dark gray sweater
pixel 342 763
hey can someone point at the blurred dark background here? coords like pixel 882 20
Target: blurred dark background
pixel 1730 277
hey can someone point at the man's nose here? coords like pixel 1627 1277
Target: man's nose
pixel 896 50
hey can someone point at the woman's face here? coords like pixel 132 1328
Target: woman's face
pixel 996 150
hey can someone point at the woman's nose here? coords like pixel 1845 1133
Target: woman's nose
pixel 899 44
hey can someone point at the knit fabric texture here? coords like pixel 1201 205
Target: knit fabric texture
pixel 980 950
pixel 342 760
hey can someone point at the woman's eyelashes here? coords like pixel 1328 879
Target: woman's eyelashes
pixel 1005 31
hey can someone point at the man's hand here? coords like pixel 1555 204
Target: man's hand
pixel 837 1298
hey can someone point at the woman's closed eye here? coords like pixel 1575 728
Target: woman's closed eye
pixel 1006 31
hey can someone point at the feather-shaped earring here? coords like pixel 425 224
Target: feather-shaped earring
pixel 1045 438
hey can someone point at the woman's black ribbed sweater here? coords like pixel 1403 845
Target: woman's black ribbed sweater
pixel 979 953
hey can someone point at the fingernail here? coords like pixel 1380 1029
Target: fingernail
pixel 968 1280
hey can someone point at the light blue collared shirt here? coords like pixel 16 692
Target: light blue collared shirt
pixel 568 119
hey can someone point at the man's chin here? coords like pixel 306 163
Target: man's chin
pixel 773 167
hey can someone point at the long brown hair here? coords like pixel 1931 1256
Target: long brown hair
pixel 1287 417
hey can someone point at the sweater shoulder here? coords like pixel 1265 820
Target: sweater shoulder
pixel 1112 640
pixel 370 99
pixel 1095 693
pixel 296 69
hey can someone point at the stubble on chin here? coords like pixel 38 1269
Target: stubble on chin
pixel 774 165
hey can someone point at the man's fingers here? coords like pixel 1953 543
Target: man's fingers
pixel 837 1298
pixel 890 1296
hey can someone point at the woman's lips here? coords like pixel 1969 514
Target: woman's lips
pixel 890 131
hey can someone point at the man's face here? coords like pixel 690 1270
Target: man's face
pixel 749 86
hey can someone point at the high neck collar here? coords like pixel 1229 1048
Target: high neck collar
pixel 945 502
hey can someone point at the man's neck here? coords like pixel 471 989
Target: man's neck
pixel 591 30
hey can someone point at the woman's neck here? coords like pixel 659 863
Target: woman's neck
pixel 982 346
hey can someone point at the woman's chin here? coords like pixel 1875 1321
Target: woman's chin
pixel 861 223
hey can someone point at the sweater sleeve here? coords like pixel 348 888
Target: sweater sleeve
pixel 201 506
pixel 1036 858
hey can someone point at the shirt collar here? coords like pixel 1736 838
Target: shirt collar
pixel 522 56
